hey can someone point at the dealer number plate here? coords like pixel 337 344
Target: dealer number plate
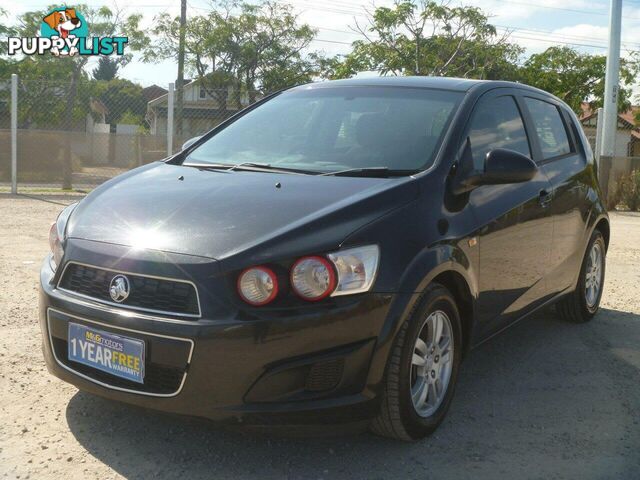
pixel 114 354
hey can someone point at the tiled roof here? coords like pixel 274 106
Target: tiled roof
pixel 627 117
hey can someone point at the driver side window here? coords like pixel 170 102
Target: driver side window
pixel 496 123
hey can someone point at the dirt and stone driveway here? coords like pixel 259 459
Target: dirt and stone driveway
pixel 546 399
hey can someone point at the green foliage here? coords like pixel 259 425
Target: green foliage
pixel 44 89
pixel 56 91
pixel 254 47
pixel 5 32
pixel 131 118
pixel 428 38
pixel 102 22
pixel 107 69
pixel 576 77
pixel 628 190
pixel 122 98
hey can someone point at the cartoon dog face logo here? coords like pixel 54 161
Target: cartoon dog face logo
pixel 63 21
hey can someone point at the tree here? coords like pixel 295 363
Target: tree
pixel 271 42
pixel 107 69
pixel 429 38
pixel 5 32
pixel 254 48
pixel 577 77
pixel 104 22
pixel 122 97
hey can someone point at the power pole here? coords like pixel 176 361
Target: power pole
pixel 180 79
pixel 611 87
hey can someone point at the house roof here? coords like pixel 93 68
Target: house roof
pixel 626 118
pixel 163 98
pixel 152 92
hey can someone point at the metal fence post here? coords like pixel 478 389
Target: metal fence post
pixel 170 119
pixel 14 133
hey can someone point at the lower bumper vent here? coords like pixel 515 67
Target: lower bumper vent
pixel 325 375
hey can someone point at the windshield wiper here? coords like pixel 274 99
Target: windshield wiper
pixel 249 166
pixel 376 172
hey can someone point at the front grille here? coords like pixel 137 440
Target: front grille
pixel 146 293
pixel 158 379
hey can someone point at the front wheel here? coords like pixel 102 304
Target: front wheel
pixel 582 304
pixel 422 370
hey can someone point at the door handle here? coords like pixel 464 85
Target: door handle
pixel 544 199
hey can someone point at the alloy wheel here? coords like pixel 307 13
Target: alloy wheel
pixel 432 363
pixel 593 281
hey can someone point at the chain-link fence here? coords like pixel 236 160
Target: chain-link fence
pixel 76 135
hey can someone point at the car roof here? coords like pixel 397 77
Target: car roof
pixel 441 83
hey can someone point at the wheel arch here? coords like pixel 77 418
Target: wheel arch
pixel 453 281
pixel 447 265
pixel 604 227
pixel 599 220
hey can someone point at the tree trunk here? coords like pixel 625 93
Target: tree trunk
pixel 249 85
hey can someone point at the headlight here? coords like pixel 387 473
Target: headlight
pixel 56 236
pixel 55 244
pixel 356 267
pixel 258 285
pixel 313 278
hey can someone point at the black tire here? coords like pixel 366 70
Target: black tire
pixel 397 417
pixel 574 307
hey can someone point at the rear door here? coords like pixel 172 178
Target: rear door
pixel 562 158
pixel 515 237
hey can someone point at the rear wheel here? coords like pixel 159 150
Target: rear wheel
pixel 581 305
pixel 422 370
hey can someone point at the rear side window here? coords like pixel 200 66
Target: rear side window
pixel 496 123
pixel 550 128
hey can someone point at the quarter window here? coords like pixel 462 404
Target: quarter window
pixel 550 128
pixel 497 123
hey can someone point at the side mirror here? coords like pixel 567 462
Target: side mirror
pixel 501 166
pixel 190 142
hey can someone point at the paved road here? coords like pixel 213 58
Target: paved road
pixel 544 400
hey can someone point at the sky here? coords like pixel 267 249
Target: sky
pixel 535 24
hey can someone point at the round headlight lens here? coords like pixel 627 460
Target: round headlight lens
pixel 258 285
pixel 313 278
pixel 55 245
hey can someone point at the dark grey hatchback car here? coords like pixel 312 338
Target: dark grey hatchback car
pixel 328 254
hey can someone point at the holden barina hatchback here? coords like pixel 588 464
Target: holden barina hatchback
pixel 329 254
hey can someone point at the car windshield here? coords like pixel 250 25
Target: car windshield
pixel 328 129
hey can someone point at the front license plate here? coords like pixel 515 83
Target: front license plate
pixel 114 354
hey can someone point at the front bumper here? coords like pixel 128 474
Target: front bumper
pixel 299 366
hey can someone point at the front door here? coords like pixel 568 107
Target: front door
pixel 516 233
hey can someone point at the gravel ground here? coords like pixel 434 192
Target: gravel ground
pixel 543 400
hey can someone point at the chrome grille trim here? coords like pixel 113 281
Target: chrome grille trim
pixel 125 307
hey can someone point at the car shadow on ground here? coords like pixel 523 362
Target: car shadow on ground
pixel 544 393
